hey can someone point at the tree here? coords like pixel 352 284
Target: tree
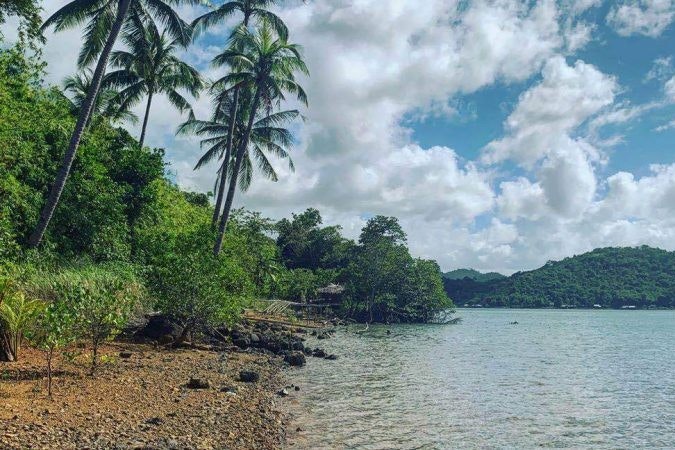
pixel 107 105
pixel 151 67
pixel 250 9
pixel 27 11
pixel 256 9
pixel 268 136
pixel 105 21
pixel 266 64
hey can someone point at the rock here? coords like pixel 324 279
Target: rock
pixel 296 359
pixel 241 342
pixel 155 421
pixel 319 353
pixel 125 355
pixel 198 383
pixel 307 351
pixel 283 393
pixel 297 388
pixel 331 357
pixel 159 326
pixel 322 336
pixel 229 389
pixel 166 339
pixel 249 376
pixel 255 339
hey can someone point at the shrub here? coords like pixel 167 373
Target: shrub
pixel 17 314
pixel 53 329
pixel 198 290
pixel 101 300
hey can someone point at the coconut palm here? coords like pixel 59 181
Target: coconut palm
pixel 268 137
pixel 108 103
pixel 104 21
pixel 250 9
pixel 266 64
pixel 151 67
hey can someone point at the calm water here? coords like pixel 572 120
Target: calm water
pixel 560 379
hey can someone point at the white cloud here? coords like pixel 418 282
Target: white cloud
pixel 547 113
pixel 646 17
pixel 374 63
pixel 670 89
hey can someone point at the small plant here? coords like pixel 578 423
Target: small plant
pixel 17 314
pixel 101 301
pixel 53 330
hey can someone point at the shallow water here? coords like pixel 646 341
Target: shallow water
pixel 559 379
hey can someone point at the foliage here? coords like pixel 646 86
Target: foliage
pixel 197 289
pixel 54 329
pixel 609 277
pixel 305 245
pixel 384 283
pixel 101 299
pixel 17 314
pixel 460 274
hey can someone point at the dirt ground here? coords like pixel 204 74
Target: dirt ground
pixel 143 401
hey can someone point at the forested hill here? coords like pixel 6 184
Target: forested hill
pixel 610 277
pixel 460 274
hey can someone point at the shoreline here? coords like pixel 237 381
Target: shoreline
pixel 144 402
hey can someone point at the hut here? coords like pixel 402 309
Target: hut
pixel 329 295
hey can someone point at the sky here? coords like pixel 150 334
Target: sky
pixel 501 133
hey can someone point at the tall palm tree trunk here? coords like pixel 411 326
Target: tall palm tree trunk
pixel 228 156
pixel 145 119
pixel 235 175
pixel 85 112
pixel 222 178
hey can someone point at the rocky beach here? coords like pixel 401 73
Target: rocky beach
pixel 221 395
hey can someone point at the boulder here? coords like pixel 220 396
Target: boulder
pixel 255 339
pixel 125 355
pixel 331 357
pixel 319 353
pixel 283 393
pixel 159 326
pixel 241 342
pixel 296 359
pixel 249 376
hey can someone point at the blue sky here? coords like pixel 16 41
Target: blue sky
pixel 502 133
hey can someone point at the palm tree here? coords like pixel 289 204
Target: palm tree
pixel 108 103
pixel 256 9
pixel 266 64
pixel 105 19
pixel 249 9
pixel 268 136
pixel 151 67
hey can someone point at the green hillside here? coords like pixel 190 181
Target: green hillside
pixel 460 274
pixel 610 277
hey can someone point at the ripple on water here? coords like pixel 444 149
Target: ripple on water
pixel 561 379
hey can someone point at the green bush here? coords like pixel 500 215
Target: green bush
pixel 198 290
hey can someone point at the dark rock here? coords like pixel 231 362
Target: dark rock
pixel 165 340
pixel 198 383
pixel 125 355
pixel 319 353
pixel 159 326
pixel 283 393
pixel 155 421
pixel 331 357
pixel 242 342
pixel 297 388
pixel 229 389
pixel 249 376
pixel 296 359
pixel 308 351
pixel 322 336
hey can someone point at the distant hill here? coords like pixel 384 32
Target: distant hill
pixel 610 277
pixel 475 275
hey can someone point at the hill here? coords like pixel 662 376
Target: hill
pixel 460 274
pixel 609 277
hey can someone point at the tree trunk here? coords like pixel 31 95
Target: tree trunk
pixel 235 175
pixel 145 119
pixel 83 118
pixel 228 156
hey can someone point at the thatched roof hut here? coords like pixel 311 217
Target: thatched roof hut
pixel 329 294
